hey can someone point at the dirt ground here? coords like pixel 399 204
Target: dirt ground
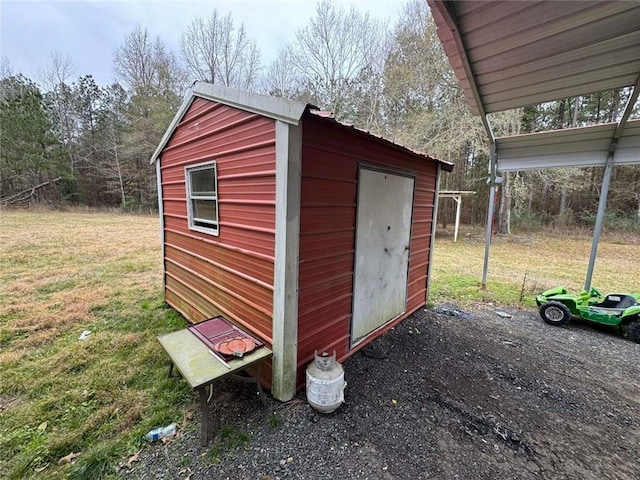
pixel 469 396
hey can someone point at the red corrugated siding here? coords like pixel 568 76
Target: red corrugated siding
pixel 330 157
pixel 231 274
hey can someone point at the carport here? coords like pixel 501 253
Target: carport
pixel 509 54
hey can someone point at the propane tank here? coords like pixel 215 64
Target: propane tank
pixel 325 383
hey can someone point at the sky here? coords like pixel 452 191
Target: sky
pixel 89 31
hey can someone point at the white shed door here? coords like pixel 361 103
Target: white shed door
pixel 385 203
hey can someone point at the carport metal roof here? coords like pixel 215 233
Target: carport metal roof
pixel 512 54
pixel 574 147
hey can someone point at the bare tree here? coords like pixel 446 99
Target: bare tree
pixel 154 82
pixel 215 51
pixel 6 70
pixel 425 107
pixel 59 70
pixel 280 80
pixel 337 51
pixel 144 65
pixel 55 79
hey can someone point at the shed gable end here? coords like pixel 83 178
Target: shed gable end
pixel 226 270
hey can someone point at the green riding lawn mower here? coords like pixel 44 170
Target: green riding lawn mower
pixel 621 310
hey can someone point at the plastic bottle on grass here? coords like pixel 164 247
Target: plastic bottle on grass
pixel 158 433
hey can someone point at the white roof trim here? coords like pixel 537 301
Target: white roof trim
pixel 573 147
pixel 288 111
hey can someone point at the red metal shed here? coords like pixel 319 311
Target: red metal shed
pixel 308 233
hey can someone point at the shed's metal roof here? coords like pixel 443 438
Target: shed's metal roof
pixel 288 111
pixel 510 54
pixel 328 116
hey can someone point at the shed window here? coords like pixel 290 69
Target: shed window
pixel 202 197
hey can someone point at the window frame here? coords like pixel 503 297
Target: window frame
pixel 214 228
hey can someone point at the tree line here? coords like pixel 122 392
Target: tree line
pixel 391 78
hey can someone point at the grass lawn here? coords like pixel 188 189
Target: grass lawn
pixel 63 273
pixel 523 265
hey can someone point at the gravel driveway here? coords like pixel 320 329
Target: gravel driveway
pixel 469 396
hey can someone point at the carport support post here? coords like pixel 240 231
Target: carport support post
pixel 606 178
pixel 492 198
pixel 602 205
pixel 458 200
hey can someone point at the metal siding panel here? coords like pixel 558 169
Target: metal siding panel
pixel 179 302
pixel 534 94
pixel 217 292
pixel 318 293
pixel 538 21
pixel 321 245
pixel 198 107
pixel 331 153
pixel 326 269
pixel 249 264
pixel 327 219
pixel 176 190
pixel 172 176
pixel 252 239
pixel 209 147
pixel 599 146
pixel 260 293
pixel 231 274
pixel 474 19
pixel 249 214
pixel 538 162
pixel 579 88
pixel 210 300
pixel 321 191
pixel 221 119
pixel 623 156
pixel 251 188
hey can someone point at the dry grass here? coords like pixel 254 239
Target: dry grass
pixel 57 267
pixel 523 265
pixel 62 273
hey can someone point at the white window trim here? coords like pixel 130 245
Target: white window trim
pixel 215 226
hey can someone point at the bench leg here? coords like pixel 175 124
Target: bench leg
pixel 204 407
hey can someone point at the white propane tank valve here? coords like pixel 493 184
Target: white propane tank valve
pixel 325 383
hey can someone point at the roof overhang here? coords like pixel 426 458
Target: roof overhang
pixel 328 117
pixel 510 54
